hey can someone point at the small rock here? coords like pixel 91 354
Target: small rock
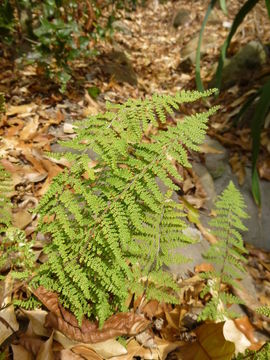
pixel 237 69
pixel 120 68
pixel 189 50
pixel 120 26
pixel 68 128
pixel 214 17
pixel 181 18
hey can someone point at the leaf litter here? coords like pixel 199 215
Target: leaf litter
pixel 37 116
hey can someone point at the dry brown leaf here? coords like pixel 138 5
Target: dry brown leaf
pixel 31 343
pixel 20 353
pixel 204 267
pixel 244 325
pixel 21 219
pixel 46 351
pixel 105 349
pixel 8 321
pixel 163 348
pixel 20 109
pixel 86 353
pixel 210 345
pixel 151 308
pixel 62 320
pixel 238 168
pixel 67 354
pixel 264 169
pixel 206 234
pixel 37 320
pixel 207 149
pixel 30 129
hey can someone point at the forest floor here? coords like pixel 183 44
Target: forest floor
pixel 147 54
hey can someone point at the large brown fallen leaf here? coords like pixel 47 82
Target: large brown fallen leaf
pixel 8 322
pixel 21 109
pixel 160 352
pixel 105 349
pixel 61 319
pixel 67 354
pixel 21 219
pixel 210 345
pixel 20 353
pixel 46 351
pixel 30 129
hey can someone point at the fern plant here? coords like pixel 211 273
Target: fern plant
pixel 227 254
pixel 111 226
pixel 16 252
pixel 5 204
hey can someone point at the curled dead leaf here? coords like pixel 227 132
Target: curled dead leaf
pixel 204 267
pixel 61 319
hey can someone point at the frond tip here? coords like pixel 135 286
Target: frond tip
pixel 227 254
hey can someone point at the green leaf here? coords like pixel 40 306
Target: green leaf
pixel 261 110
pixel 223 6
pixel 198 51
pixel 256 187
pixel 93 91
pixel 245 9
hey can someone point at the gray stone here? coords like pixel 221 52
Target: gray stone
pixel 237 69
pixel 216 162
pixel 181 18
pixel 189 50
pixel 214 17
pixel 118 66
pixel 258 224
pixel 120 26
pixel 194 252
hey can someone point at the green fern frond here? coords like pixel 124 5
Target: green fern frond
pixel 264 310
pixel 262 354
pixel 103 242
pixel 29 304
pixel 15 251
pixel 5 203
pixel 227 254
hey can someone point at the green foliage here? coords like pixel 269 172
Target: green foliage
pixel 262 354
pixel 59 31
pixel 264 310
pixel 226 254
pixel 6 18
pixel 5 204
pixel 263 104
pixel 15 252
pixel 110 223
pixel 29 304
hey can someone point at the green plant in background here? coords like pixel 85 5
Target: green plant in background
pixel 6 19
pixel 59 31
pixel 226 254
pixel 262 354
pixel 263 103
pixel 16 253
pixel 110 223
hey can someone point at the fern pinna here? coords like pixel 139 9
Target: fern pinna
pixel 5 203
pixel 110 223
pixel 227 254
pixel 16 253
